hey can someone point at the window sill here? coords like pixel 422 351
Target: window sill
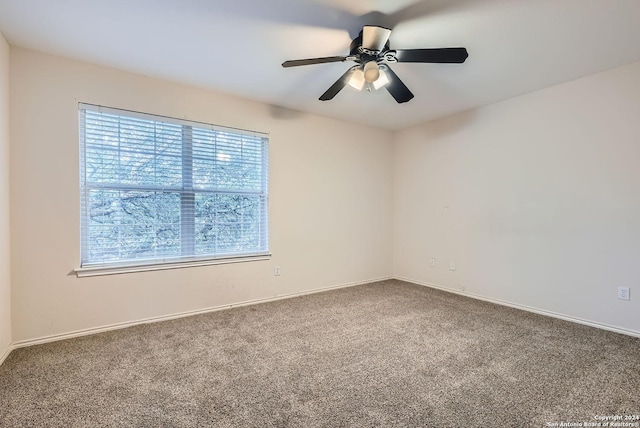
pixel 120 269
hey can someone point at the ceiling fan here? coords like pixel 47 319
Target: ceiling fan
pixel 372 55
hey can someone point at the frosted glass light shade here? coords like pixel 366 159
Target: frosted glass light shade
pixel 371 71
pixel 382 80
pixel 357 79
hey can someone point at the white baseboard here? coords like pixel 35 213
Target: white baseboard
pixel 614 329
pixel 117 326
pixel 5 353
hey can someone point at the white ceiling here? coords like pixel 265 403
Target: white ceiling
pixel 237 46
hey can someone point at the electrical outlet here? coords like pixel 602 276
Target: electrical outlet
pixel 623 293
pixel 276 271
pixel 432 262
pixel 452 265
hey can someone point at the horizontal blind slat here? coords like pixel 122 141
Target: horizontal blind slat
pixel 135 197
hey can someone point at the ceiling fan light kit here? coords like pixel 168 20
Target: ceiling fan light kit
pixel 371 75
pixel 372 54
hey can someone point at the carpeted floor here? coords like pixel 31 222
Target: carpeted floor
pixel 383 354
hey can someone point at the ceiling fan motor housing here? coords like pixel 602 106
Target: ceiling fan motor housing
pixel 364 55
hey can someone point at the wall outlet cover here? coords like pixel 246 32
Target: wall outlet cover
pixel 623 293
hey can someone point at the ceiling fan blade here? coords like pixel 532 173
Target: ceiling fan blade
pixel 297 62
pixel 375 38
pixel 338 85
pixel 436 55
pixel 396 88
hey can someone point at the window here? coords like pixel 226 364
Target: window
pixel 157 190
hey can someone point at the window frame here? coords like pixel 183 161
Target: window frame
pixel 186 191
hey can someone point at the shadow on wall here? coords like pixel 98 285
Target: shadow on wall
pixel 284 113
pixel 448 125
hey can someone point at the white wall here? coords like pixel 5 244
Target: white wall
pixel 330 187
pixel 5 276
pixel 536 198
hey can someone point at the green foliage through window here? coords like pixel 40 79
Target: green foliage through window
pixel 156 189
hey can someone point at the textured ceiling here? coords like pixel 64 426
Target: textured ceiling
pixel 236 47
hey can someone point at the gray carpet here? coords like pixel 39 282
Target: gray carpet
pixel 383 354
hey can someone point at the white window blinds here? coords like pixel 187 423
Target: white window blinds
pixel 163 190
